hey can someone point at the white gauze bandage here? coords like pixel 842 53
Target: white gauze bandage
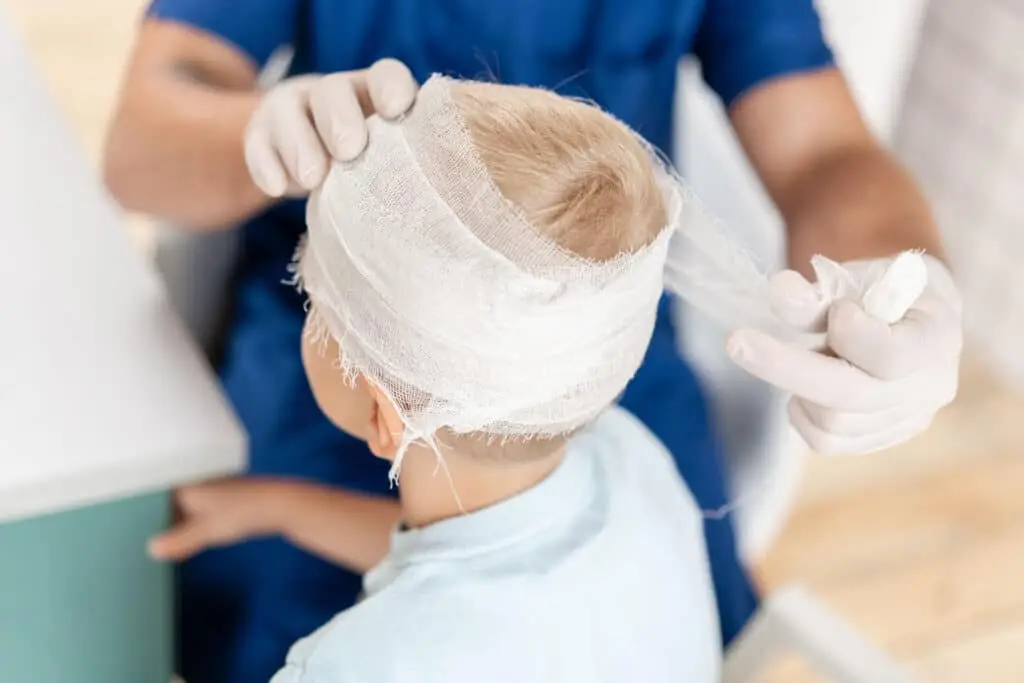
pixel 440 292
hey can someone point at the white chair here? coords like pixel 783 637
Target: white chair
pixel 197 269
pixel 791 621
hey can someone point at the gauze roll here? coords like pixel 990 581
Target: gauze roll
pixel 440 292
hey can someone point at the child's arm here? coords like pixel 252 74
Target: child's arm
pixel 347 528
pixel 350 529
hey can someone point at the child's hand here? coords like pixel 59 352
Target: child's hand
pixel 220 513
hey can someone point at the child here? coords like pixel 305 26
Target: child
pixel 483 284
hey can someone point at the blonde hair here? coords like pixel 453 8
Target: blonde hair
pixel 579 176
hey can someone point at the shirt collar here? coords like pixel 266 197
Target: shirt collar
pixel 565 491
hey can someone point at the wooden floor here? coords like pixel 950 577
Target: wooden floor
pixel 922 548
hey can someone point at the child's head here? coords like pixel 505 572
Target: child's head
pixel 576 176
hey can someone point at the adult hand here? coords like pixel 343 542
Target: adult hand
pixel 305 121
pixel 876 384
pixel 221 513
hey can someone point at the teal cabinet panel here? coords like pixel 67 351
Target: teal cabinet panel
pixel 79 600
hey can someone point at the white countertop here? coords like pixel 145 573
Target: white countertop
pixel 102 393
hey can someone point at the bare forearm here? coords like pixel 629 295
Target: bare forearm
pixel 841 194
pixel 175 146
pixel 349 529
pixel 857 203
pixel 175 151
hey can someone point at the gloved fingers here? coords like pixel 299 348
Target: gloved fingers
pixel 797 302
pixel 830 382
pixel 944 310
pixel 828 443
pixel 295 139
pixel 392 88
pixel 850 424
pixel 339 118
pixel 264 163
pixel 890 351
pixel 840 280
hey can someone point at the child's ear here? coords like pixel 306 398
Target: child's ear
pixel 386 427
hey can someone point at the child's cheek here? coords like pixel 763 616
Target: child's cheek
pixel 349 407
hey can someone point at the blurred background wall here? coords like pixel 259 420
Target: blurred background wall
pixel 962 133
pixel 921 547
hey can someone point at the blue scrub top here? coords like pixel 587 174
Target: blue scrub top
pixel 243 606
pixel 623 54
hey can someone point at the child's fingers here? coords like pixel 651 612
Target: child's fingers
pixel 179 543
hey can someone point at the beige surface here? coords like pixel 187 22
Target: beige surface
pixel 81 47
pixel 921 548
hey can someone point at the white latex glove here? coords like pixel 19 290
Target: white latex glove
pixel 305 121
pixel 876 384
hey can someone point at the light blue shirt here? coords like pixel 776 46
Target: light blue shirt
pixel 599 573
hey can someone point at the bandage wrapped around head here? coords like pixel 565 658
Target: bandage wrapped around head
pixel 442 293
